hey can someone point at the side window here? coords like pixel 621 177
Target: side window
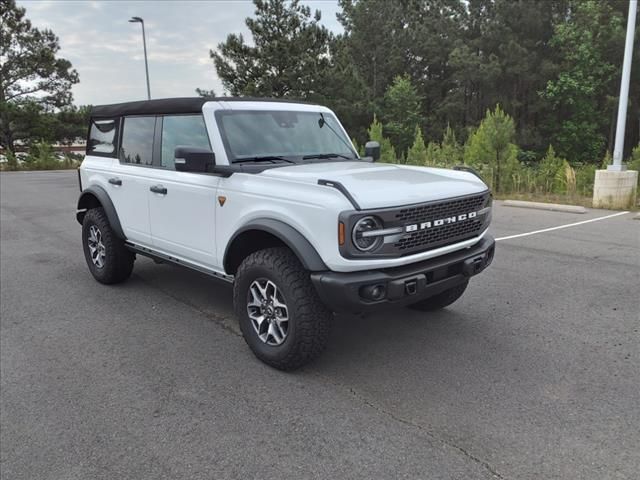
pixel 103 135
pixel 185 130
pixel 137 140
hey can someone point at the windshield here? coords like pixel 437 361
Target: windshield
pixel 282 135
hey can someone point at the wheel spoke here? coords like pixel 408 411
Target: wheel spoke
pixel 276 333
pixel 256 296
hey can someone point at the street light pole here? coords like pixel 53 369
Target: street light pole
pixel 144 44
pixel 624 90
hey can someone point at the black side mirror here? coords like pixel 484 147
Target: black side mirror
pixel 372 149
pixel 193 159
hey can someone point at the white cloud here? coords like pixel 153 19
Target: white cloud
pixel 106 49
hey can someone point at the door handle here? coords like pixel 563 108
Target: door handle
pixel 159 189
pixel 115 181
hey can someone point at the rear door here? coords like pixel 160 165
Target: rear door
pixel 129 183
pixel 182 205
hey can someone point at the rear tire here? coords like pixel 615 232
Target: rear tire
pixel 281 316
pixel 108 259
pixel 441 300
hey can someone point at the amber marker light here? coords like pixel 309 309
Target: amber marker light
pixel 340 233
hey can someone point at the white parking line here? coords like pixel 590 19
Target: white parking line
pixel 560 227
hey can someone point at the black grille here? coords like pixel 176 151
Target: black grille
pixel 427 212
pixel 437 236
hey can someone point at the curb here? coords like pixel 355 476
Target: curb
pixel 554 207
pixel 637 216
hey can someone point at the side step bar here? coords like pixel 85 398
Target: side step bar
pixel 161 257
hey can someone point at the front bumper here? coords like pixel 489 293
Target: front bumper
pixel 351 292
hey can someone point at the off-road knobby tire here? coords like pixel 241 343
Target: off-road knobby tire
pixel 309 319
pixel 118 259
pixel 441 300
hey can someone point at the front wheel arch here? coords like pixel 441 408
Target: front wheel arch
pixel 268 233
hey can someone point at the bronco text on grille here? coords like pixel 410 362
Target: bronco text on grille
pixel 438 224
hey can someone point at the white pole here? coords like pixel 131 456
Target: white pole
pixel 624 90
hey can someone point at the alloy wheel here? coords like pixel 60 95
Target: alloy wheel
pixel 96 247
pixel 268 311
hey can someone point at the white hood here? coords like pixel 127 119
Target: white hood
pixel 380 185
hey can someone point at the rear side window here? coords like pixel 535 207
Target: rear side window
pixel 103 136
pixel 137 140
pixel 183 130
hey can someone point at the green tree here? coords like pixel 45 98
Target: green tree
pixel 70 123
pixel 32 77
pixel 387 152
pixel 417 154
pixel 491 148
pixel 366 23
pixel 589 44
pixel 401 113
pixel 288 53
pixel 341 88
pixel 434 155
pixel 452 152
pixel 551 172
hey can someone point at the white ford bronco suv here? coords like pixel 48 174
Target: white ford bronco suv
pixel 272 196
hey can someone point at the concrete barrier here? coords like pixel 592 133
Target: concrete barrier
pixel 614 189
pixel 554 207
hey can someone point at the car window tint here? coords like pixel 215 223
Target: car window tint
pixel 183 130
pixel 102 136
pixel 137 140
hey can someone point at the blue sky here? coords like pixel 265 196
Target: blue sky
pixel 106 49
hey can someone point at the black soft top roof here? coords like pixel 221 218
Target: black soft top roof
pixel 170 105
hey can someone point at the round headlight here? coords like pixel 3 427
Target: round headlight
pixel 363 242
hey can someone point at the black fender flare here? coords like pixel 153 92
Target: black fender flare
pixel 301 247
pixel 85 201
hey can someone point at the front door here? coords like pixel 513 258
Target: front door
pixel 182 205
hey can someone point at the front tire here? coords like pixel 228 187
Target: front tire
pixel 441 300
pixel 281 317
pixel 108 259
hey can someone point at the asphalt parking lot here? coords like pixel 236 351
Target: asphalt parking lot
pixel 533 374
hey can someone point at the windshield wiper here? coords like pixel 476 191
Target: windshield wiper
pixel 326 155
pixel 322 122
pixel 262 158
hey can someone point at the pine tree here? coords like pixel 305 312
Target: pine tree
pixel 417 154
pixel 491 149
pixel 401 113
pixel 33 79
pixel 387 152
pixel 288 54
pixel 451 150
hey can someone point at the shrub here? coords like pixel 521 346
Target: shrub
pixel 12 161
pixel 551 172
pixel 585 176
pixel 634 161
pixel 42 157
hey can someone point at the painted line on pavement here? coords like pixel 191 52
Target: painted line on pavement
pixel 560 227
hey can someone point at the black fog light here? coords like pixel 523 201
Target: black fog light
pixel 373 292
